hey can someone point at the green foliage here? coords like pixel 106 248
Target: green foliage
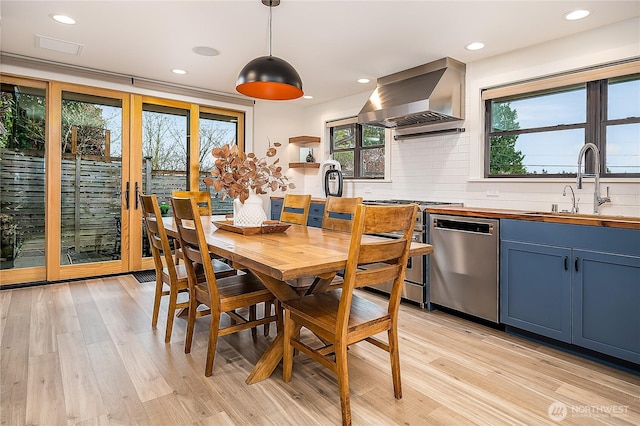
pixel 504 159
pixel 89 124
pixel 23 116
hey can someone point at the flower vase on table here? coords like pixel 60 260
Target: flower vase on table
pixel 249 213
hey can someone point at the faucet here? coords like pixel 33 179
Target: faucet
pixel 597 199
pixel 574 204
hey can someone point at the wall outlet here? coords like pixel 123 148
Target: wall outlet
pixel 493 192
pixel 367 190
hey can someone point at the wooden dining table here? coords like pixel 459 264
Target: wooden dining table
pixel 275 258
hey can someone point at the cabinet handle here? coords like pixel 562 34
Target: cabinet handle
pixel 576 263
pixel 566 263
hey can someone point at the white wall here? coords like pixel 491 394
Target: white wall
pixel 450 167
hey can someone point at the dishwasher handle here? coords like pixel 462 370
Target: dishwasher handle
pixel 464 226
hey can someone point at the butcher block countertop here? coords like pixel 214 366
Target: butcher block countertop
pixel 627 222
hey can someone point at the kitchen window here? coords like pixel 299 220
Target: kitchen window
pixel 360 149
pixel 536 129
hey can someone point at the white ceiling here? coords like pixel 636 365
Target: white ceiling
pixel 330 43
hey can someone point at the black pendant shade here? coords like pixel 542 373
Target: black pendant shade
pixel 271 78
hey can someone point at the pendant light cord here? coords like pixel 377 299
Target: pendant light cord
pixel 270 21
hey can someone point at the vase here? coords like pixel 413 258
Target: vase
pixel 249 213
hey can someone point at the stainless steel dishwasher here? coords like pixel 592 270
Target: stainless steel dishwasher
pixel 464 265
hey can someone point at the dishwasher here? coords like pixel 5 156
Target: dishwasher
pixel 464 269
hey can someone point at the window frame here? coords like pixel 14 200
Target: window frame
pixel 596 124
pixel 358 149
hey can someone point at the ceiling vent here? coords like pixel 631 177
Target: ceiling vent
pixel 58 45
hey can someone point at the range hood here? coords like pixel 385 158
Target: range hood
pixel 428 94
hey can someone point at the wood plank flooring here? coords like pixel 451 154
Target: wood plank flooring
pixel 84 353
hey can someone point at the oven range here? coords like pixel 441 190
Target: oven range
pixel 417 275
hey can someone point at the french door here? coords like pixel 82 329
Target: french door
pixel 73 161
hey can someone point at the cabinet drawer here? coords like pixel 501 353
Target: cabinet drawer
pixel 276 209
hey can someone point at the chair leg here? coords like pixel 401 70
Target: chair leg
pixel 171 314
pixel 343 383
pixel 279 314
pixel 213 341
pixel 252 317
pixel 287 359
pixel 156 301
pixel 394 354
pixel 191 321
pixel 267 312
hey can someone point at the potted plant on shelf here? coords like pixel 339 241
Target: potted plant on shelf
pixel 243 177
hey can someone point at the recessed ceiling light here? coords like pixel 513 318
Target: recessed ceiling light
pixel 205 51
pixel 179 71
pixel 475 46
pixel 576 14
pixel 308 97
pixel 63 19
pixel 363 80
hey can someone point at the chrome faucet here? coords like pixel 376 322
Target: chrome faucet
pixel 574 204
pixel 597 199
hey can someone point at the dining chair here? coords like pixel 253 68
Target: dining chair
pixel 168 273
pixel 203 199
pixel 295 209
pixel 339 213
pixel 340 318
pixel 224 295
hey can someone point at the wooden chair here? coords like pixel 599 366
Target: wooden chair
pixel 338 216
pixel 223 295
pixel 335 211
pixel 341 318
pixel 295 202
pixel 203 199
pixel 169 274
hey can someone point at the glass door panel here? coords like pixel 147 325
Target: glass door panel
pixel 91 177
pixel 22 177
pixel 215 130
pixel 165 155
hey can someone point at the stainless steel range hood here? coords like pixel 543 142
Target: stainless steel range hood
pixel 427 94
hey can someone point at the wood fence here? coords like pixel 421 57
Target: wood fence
pixel 90 198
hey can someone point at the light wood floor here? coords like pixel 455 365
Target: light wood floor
pixel 84 353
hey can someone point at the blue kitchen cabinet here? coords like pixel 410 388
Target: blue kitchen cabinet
pixel 606 303
pixel 316 210
pixel 576 284
pixel 535 284
pixel 276 208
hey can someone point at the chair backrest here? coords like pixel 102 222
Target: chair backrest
pixel 157 235
pixel 203 200
pixel 390 255
pixel 301 204
pixel 339 213
pixel 194 245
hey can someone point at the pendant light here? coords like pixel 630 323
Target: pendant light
pixel 269 77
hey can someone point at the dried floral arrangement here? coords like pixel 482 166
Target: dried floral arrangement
pixel 235 173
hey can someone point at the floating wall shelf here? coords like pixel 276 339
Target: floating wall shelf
pixel 304 165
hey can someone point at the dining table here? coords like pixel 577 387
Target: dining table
pixel 282 257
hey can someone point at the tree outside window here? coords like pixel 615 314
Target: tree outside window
pixel 360 150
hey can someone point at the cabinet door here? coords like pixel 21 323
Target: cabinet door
pixel 276 209
pixel 535 289
pixel 316 210
pixel 606 303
